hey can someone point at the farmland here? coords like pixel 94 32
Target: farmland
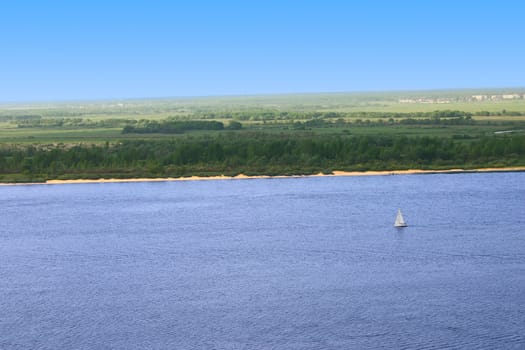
pixel 287 134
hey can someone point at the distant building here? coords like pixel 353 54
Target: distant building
pixel 510 96
pixel 479 97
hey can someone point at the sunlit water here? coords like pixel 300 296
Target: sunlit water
pixel 309 263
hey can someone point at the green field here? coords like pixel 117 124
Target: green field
pixel 273 134
pixel 222 106
pixel 100 121
pixel 96 136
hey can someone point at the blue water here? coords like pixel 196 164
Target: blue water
pixel 309 263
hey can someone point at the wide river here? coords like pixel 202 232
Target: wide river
pixel 303 263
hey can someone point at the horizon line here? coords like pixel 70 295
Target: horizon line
pixel 264 94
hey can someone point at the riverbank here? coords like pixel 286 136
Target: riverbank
pixel 245 177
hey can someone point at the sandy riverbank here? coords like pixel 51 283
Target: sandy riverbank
pixel 241 176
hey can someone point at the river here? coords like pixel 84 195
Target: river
pixel 299 263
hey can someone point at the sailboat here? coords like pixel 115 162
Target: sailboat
pixel 400 222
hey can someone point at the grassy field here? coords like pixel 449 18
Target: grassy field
pixel 343 102
pixel 279 135
pixel 103 120
pixel 98 136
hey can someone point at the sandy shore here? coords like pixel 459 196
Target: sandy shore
pixel 241 176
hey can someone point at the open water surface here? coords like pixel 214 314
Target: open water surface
pixel 307 263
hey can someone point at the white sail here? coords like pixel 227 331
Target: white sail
pixel 400 222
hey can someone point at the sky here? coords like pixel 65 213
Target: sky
pixel 74 50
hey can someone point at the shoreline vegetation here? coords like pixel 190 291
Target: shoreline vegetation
pixel 264 137
pixel 256 154
pixel 335 173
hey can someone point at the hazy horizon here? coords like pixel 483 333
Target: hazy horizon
pixel 397 93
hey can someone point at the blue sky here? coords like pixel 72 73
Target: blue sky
pixel 62 50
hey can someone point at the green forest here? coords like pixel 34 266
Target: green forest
pixel 260 135
pixel 254 154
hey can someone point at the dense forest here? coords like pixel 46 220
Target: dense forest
pixel 171 126
pixel 254 153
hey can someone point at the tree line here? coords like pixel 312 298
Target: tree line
pixel 171 126
pixel 255 154
pixel 270 114
pixel 300 120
